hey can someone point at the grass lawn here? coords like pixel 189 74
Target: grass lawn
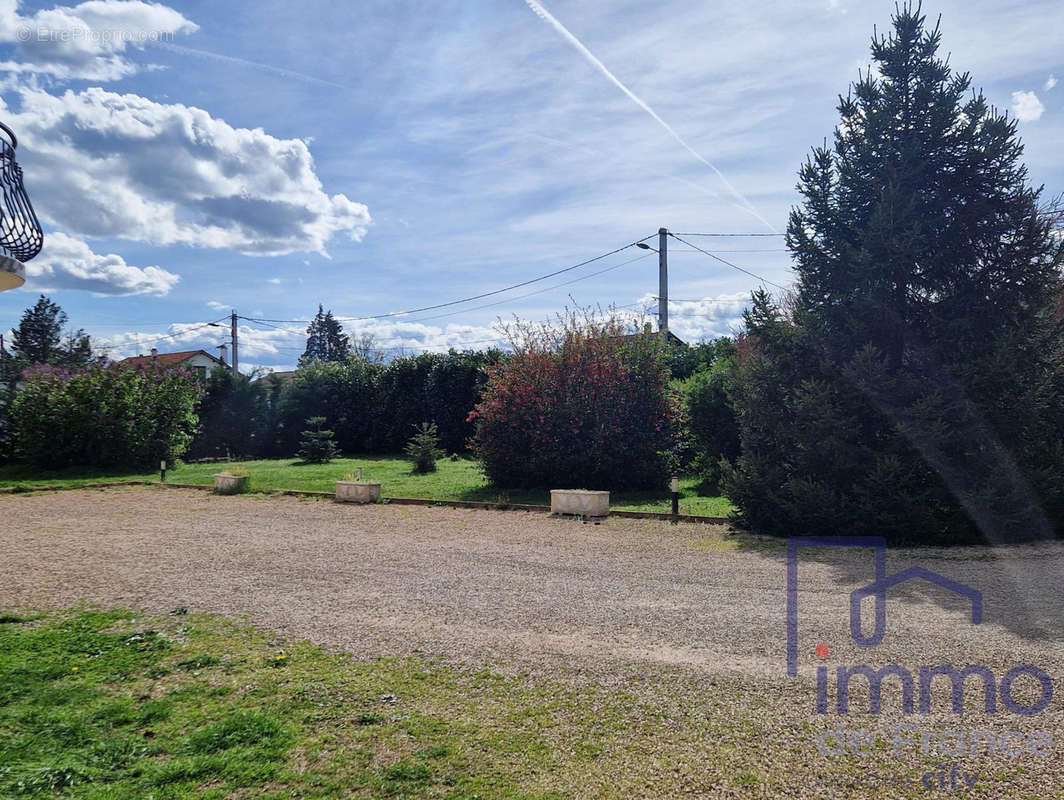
pixel 110 704
pixel 454 480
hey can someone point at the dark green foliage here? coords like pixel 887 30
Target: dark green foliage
pixel 913 389
pixel 685 360
pixel 454 387
pixel 404 399
pixel 582 405
pixel 317 445
pixel 345 392
pixel 373 406
pixel 40 338
pixel 424 448
pixel 10 369
pixel 104 416
pixel 234 417
pixel 710 396
pixel 326 340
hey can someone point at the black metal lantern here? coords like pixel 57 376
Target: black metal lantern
pixel 21 237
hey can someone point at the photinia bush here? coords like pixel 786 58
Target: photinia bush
pixel 582 404
pixel 104 415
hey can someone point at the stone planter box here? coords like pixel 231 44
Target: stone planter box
pixel 230 484
pixel 582 502
pixel 357 492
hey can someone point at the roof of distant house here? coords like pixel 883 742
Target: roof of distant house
pixel 168 359
pixel 277 377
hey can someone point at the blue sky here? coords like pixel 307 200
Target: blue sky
pixel 384 155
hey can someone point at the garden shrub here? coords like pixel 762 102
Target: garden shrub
pixel 404 399
pixel 104 416
pixel 583 404
pixel 424 448
pixel 234 417
pixel 317 445
pixel 345 392
pixel 454 386
pixel 709 399
pixel 372 407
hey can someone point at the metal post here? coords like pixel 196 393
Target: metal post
pixel 232 333
pixel 675 487
pixel 162 472
pixel 663 280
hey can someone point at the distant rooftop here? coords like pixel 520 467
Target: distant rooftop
pixel 168 359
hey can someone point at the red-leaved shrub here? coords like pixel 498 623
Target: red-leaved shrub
pixel 583 404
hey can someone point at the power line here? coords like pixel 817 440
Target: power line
pixel 730 264
pixel 756 250
pixel 730 234
pixel 477 296
pixel 538 291
pixel 481 307
pixel 106 344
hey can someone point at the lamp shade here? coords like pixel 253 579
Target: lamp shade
pixel 12 273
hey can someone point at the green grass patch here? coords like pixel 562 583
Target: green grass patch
pixel 103 704
pixel 454 480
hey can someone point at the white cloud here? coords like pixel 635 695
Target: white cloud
pixel 69 263
pixel 1051 81
pixel 693 320
pixel 120 165
pixel 274 281
pixel 87 41
pixel 1026 106
pixel 216 306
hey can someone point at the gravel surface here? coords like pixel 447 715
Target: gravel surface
pixel 694 605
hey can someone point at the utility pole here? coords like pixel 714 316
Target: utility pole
pixel 663 280
pixel 233 335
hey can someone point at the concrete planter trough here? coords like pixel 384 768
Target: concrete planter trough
pixel 581 502
pixel 357 492
pixel 225 483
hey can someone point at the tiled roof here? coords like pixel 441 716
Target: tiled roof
pixel 166 359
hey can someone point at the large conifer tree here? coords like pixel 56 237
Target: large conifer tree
pixel 914 387
pixel 326 340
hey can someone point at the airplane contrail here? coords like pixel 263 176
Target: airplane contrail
pixel 280 71
pixel 549 18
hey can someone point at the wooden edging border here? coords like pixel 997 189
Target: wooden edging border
pixel 399 501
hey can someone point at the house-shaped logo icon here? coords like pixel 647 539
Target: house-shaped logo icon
pixel 877 589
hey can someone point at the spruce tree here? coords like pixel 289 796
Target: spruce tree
pixel 40 338
pixel 317 445
pixel 913 388
pixel 326 340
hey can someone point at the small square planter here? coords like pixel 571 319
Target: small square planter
pixel 581 502
pixel 230 484
pixel 357 492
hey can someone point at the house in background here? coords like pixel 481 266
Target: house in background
pixel 199 361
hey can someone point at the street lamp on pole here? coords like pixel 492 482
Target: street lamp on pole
pixel 663 277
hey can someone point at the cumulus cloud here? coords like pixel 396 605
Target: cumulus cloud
pixel 216 306
pixel 1026 106
pixel 88 41
pixel 69 263
pixel 286 343
pixel 120 165
pixel 283 343
pixel 708 318
pixel 1051 81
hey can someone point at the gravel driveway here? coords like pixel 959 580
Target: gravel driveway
pixel 524 591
